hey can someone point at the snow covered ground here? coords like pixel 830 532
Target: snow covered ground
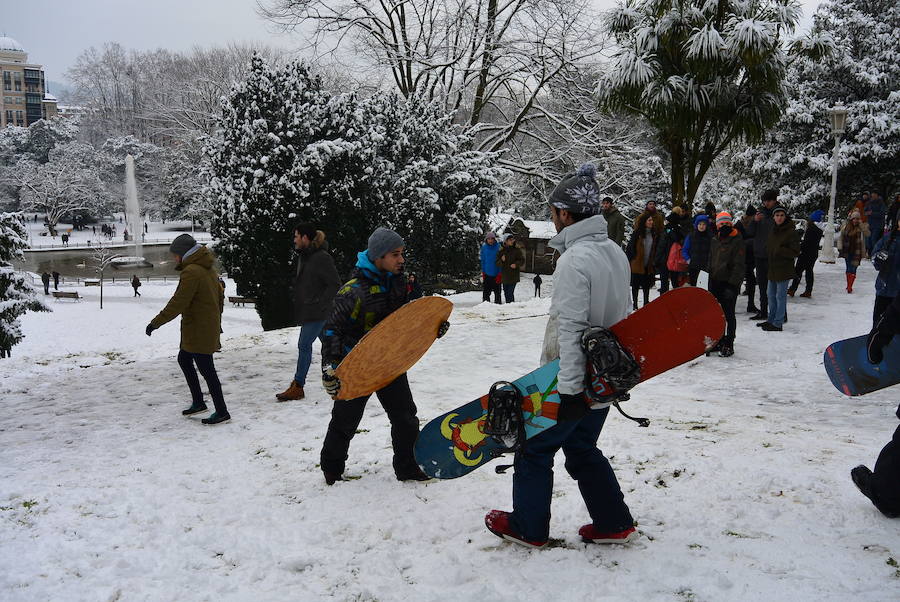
pixel 740 486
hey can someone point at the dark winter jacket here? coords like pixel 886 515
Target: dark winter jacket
pixel 506 258
pixel 136 282
pixel 199 300
pixel 696 246
pixel 875 212
pixel 636 251
pixel 488 256
pixel 887 284
pixel 809 246
pixel 365 300
pixel 760 230
pixel 615 225
pixel 316 280
pixel 726 258
pixel 671 235
pixel 413 289
pixel 782 248
pixel 892 213
pixel 743 227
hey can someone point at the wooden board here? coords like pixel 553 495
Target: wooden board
pixel 392 347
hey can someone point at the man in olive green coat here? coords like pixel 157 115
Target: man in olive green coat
pixel 199 300
pixel 615 222
pixel 510 259
pixel 782 249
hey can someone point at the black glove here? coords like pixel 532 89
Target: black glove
pixel 443 328
pixel 571 407
pixel 150 329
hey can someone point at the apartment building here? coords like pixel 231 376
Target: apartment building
pixel 24 98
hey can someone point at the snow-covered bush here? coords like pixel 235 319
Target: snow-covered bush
pixel 287 151
pixel 16 294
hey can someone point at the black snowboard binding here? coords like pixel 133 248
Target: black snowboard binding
pixel 505 422
pixel 614 364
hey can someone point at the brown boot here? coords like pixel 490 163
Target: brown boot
pixel 293 392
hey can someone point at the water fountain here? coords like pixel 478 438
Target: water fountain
pixel 133 222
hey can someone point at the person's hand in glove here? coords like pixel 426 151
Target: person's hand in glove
pixel 571 407
pixel 330 381
pixel 149 330
pixel 443 328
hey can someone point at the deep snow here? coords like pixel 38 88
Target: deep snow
pixel 740 486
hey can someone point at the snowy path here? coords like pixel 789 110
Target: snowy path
pixel 740 486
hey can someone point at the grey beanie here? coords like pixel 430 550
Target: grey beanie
pixel 383 241
pixel 182 244
pixel 578 192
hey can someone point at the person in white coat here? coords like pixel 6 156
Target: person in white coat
pixel 591 288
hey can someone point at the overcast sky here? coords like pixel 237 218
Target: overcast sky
pixel 55 32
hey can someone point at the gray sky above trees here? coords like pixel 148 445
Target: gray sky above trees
pixel 55 32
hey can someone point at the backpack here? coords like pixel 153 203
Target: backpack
pixel 676 262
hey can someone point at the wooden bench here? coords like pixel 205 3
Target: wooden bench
pixel 241 300
pixel 92 283
pixel 66 295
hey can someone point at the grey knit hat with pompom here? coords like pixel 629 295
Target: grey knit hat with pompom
pixel 578 192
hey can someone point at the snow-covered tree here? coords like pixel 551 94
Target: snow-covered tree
pixel 17 296
pixel 289 152
pixel 704 74
pixel 70 181
pixel 863 74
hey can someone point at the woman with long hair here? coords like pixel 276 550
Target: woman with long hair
pixel 641 252
pixel 853 246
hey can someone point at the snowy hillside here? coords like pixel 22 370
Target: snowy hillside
pixel 740 486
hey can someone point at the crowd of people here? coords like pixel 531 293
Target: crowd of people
pixel 592 280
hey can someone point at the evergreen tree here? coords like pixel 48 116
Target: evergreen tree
pixel 704 74
pixel 287 152
pixel 863 74
pixel 16 294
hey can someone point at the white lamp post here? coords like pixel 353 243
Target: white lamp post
pixel 838 117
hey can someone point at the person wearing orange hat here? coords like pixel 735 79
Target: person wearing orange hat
pixel 726 272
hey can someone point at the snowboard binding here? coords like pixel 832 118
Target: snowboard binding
pixel 505 422
pixel 613 363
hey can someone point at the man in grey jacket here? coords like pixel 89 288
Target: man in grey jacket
pixel 590 289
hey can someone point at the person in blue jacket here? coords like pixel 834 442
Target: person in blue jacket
pixel 490 271
pixel 696 248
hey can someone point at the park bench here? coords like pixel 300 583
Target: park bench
pixel 241 300
pixel 66 295
pixel 92 283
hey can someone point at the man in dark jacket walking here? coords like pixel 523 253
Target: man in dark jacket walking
pixel 759 231
pixel 376 289
pixel 809 252
pixel 315 282
pixel 782 248
pixel 615 222
pixel 45 278
pixel 726 271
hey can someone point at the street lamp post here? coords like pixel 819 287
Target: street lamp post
pixel 838 116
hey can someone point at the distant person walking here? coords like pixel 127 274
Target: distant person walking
pixel 641 253
pixel 55 280
pixel 537 284
pixel 413 288
pixel 809 252
pixel 135 284
pixel 45 278
pixel 510 259
pixel 615 222
pixel 490 271
pixel 853 246
pixel 200 302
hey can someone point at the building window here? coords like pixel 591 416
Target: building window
pixel 18 100
pixel 9 117
pixel 7 80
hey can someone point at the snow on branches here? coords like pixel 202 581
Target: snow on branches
pixel 16 294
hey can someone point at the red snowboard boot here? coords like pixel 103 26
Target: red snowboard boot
pixel 591 535
pixel 497 522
